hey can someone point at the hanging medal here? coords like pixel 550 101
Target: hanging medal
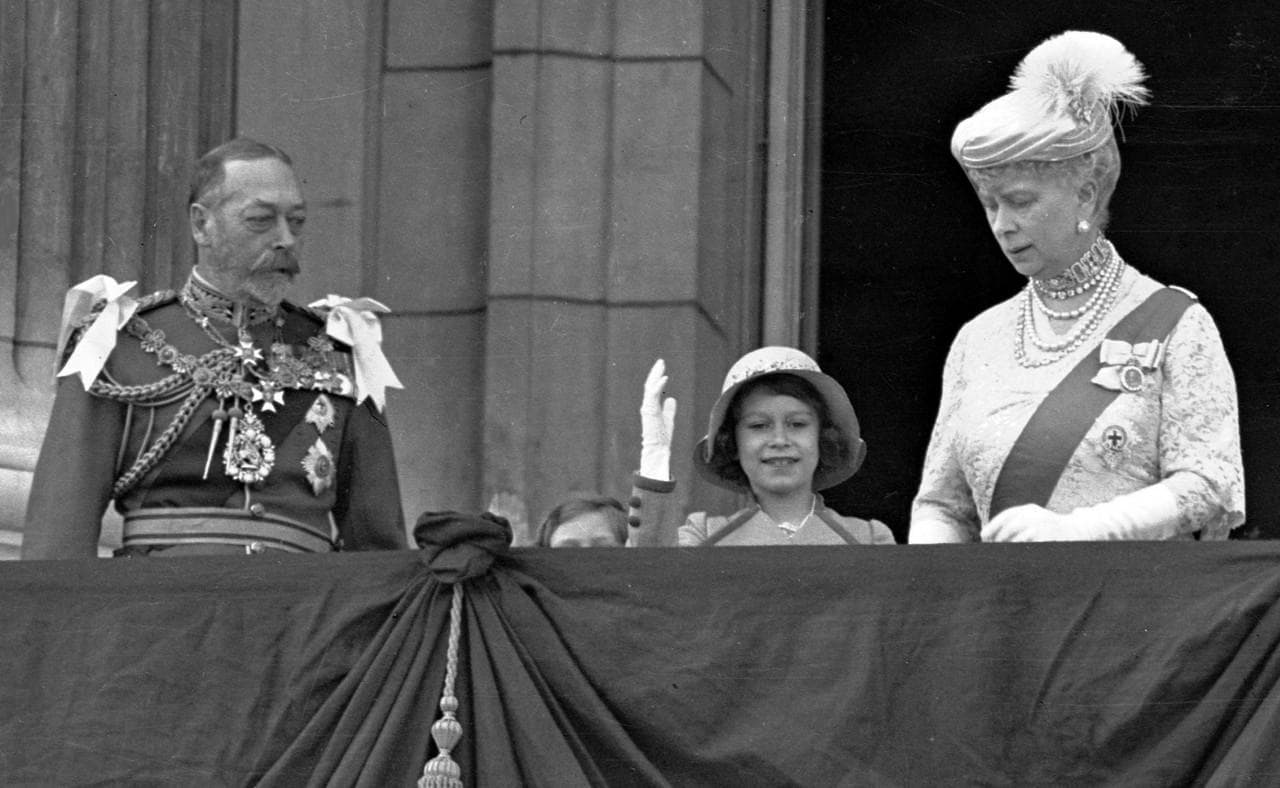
pixel 249 455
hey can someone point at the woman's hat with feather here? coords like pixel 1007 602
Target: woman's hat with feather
pixel 1062 102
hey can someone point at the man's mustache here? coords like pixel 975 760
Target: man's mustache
pixel 283 261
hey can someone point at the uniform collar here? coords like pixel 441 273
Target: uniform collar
pixel 203 300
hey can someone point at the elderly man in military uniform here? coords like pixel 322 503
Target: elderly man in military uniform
pixel 221 418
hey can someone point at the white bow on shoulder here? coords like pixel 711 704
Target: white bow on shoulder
pixel 354 321
pixel 99 339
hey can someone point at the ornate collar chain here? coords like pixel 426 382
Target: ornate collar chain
pixel 786 525
pixel 1081 276
pixel 202 301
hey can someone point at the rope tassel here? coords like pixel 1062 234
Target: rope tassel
pixel 442 771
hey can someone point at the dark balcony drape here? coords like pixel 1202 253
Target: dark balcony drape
pixel 1093 664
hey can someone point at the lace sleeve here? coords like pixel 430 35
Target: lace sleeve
pixel 1199 507
pixel 1200 428
pixel 944 496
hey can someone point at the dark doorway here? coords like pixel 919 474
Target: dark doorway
pixel 906 254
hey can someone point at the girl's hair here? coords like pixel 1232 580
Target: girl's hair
pixel 1101 165
pixel 580 505
pixel 833 449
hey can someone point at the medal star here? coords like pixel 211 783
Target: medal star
pixel 319 467
pixel 321 413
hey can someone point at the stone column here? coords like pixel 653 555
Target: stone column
pixel 624 214
pixel 103 108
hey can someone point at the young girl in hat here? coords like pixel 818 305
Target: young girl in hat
pixel 780 431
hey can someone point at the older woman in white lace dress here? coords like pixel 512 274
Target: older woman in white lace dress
pixel 1097 403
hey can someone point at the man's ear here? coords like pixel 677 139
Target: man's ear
pixel 201 218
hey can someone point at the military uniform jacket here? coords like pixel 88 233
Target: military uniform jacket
pixel 333 465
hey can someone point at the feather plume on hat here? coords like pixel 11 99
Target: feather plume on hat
pixel 1077 71
pixel 1063 99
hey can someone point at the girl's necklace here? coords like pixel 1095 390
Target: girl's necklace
pixel 787 526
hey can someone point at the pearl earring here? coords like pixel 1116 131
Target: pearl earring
pixel 1082 226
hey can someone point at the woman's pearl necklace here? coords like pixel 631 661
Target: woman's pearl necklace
pixel 1091 314
pixel 1108 271
pixel 1081 276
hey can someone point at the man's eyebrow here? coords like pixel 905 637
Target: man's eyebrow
pixel 260 203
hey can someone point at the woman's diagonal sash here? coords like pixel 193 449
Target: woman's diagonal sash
pixel 1035 463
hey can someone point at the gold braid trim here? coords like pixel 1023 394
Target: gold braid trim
pixel 153 455
pixel 165 391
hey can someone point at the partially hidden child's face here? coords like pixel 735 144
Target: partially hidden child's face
pixel 777 439
pixel 592 529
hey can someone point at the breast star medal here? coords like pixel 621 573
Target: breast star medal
pixel 318 465
pixel 321 414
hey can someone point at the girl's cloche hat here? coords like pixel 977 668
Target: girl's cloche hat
pixel 772 360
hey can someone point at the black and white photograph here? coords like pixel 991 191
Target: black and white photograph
pixel 328 326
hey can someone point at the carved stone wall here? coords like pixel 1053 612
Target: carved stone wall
pixel 549 196
pixel 103 106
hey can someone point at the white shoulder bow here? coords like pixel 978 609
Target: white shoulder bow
pixel 354 321
pixel 99 339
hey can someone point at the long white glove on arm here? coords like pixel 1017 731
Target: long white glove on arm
pixel 934 531
pixel 1149 513
pixel 657 423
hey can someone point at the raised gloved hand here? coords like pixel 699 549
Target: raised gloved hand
pixel 1149 513
pixel 657 424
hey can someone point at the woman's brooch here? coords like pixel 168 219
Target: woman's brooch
pixel 1125 366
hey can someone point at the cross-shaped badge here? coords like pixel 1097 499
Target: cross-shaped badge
pixel 1114 438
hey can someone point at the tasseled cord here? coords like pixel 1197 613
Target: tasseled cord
pixel 442 771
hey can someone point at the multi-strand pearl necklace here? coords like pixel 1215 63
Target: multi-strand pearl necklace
pixel 1090 316
pixel 1082 276
pixel 1109 266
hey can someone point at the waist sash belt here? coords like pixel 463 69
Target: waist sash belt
pixel 1035 463
pixel 198 525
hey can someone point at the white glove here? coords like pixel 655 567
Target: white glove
pixel 657 423
pixel 1149 513
pixel 925 531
